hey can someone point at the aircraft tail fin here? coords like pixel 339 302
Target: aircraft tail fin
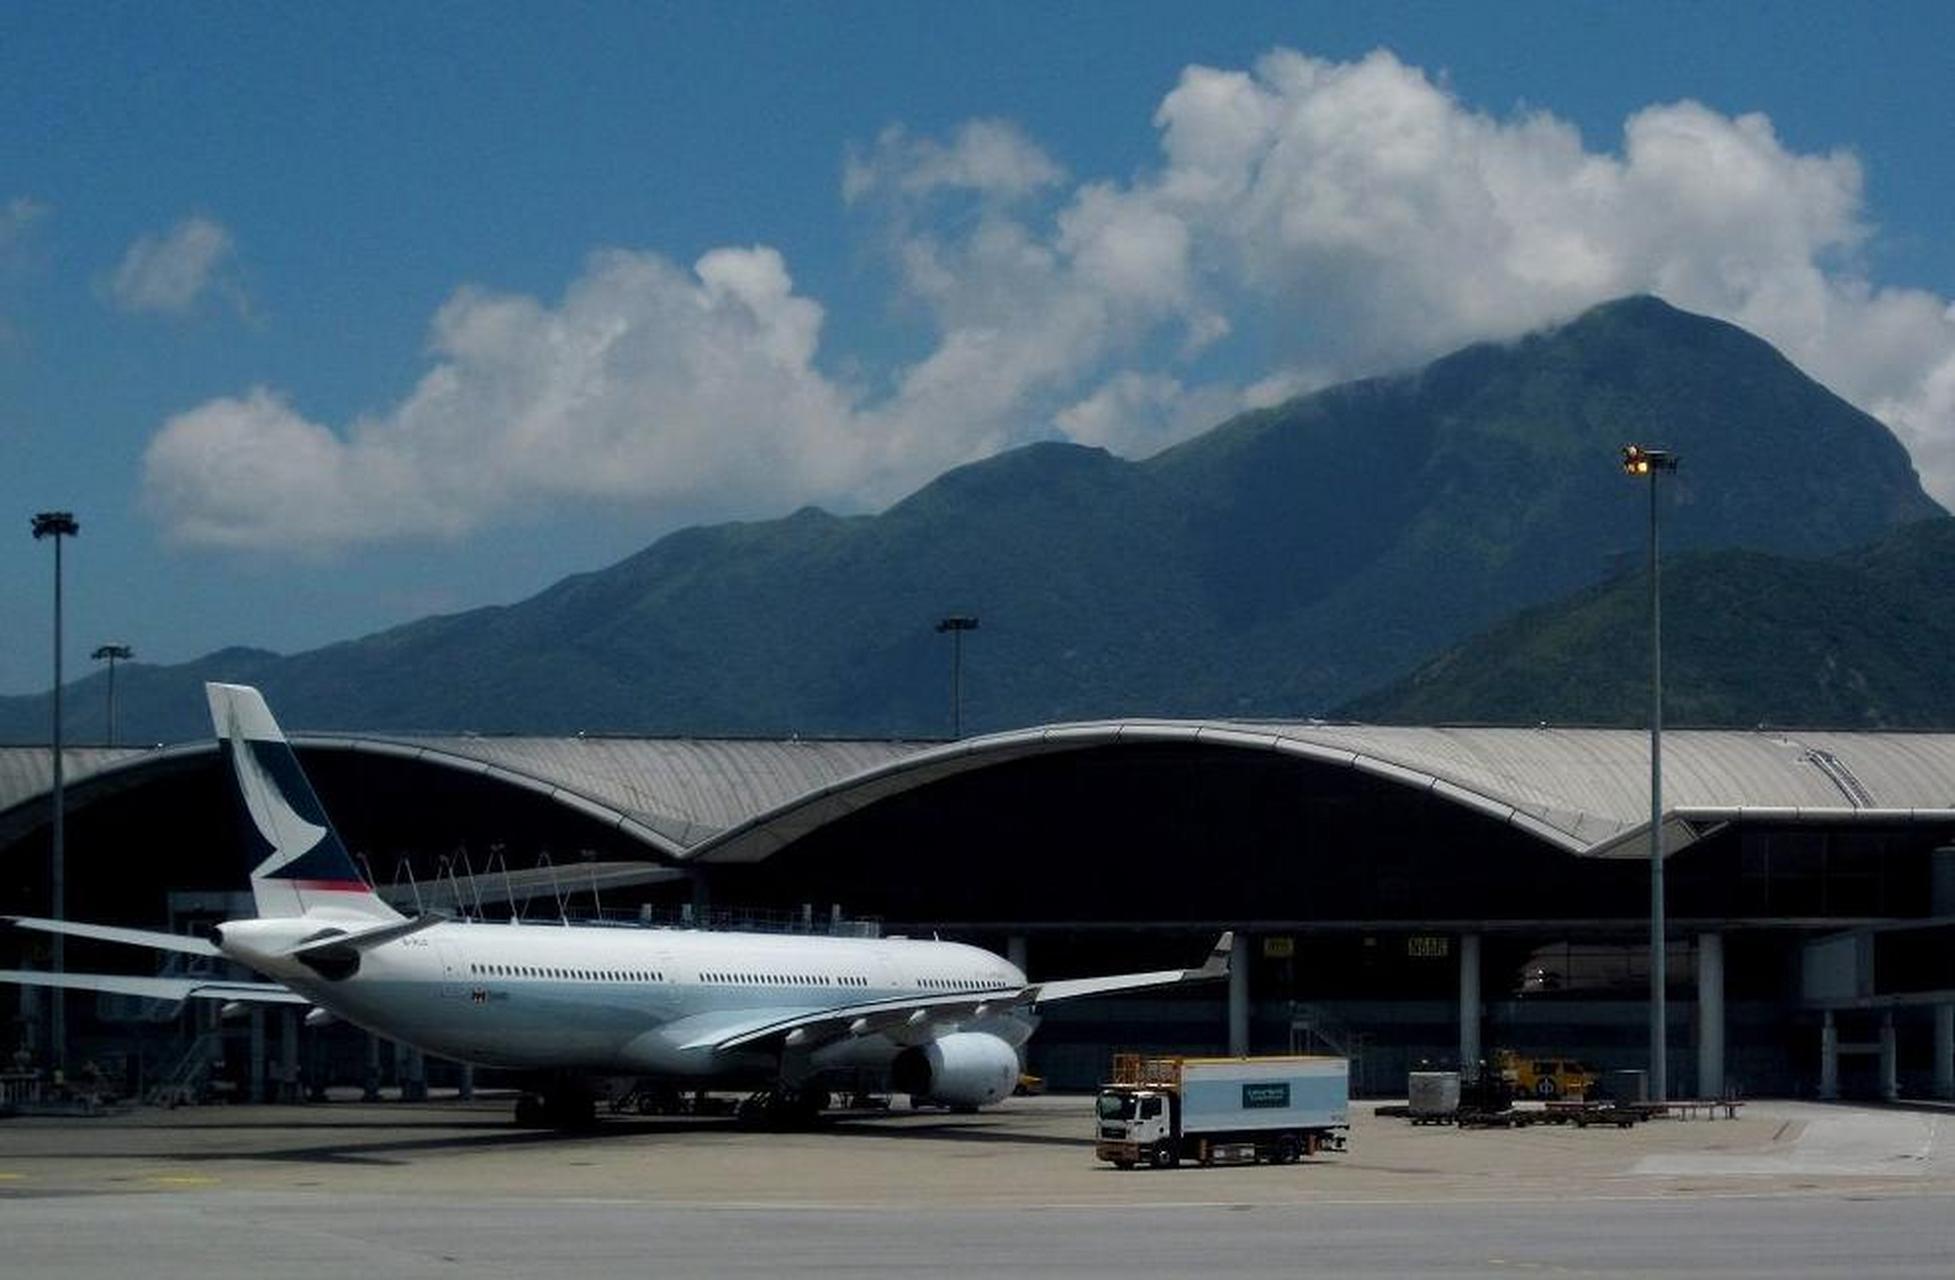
pixel 300 865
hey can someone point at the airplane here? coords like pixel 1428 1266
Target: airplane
pixel 567 1003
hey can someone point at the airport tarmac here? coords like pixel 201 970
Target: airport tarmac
pixel 400 1189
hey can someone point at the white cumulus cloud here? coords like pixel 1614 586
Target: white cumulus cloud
pixel 990 157
pixel 645 382
pixel 1306 220
pixel 17 218
pixel 168 273
pixel 1135 414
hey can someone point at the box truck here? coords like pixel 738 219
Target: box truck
pixel 1160 1111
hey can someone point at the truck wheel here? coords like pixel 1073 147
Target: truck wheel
pixel 1287 1149
pixel 1123 1164
pixel 1165 1155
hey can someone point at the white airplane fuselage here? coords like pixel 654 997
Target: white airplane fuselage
pixel 630 999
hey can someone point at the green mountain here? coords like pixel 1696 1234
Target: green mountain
pixel 1859 641
pixel 1278 565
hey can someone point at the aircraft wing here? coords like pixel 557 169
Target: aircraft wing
pixel 153 938
pixel 1215 966
pixel 173 989
pixel 821 1026
pixel 731 1029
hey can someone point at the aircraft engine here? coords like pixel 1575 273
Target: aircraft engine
pixel 963 1069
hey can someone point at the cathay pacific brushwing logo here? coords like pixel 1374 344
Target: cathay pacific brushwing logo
pixel 288 834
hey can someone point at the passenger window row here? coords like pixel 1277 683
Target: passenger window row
pixel 487 970
pixel 786 979
pixel 573 975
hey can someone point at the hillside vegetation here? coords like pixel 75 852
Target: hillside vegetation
pixel 1281 564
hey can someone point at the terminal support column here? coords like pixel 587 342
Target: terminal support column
pixel 288 1055
pixel 1469 1002
pixel 1829 1059
pixel 1017 949
pixel 1710 1015
pixel 410 1069
pixel 1946 1050
pixel 1239 996
pixel 255 1089
pixel 1889 1059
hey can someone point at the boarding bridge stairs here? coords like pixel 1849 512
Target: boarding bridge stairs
pixel 187 1081
pixel 1312 1030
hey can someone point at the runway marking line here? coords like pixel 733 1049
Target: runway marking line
pixel 181 1180
pixel 881 1207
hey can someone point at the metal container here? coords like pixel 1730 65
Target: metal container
pixel 1625 1086
pixel 1434 1093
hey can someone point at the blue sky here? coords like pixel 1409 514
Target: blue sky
pixel 324 318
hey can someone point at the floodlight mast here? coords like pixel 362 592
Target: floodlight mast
pixel 57 525
pixel 112 653
pixel 1640 463
pixel 957 624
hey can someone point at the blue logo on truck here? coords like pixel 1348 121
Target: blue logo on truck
pixel 1266 1095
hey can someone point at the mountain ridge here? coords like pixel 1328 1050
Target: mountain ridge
pixel 1280 564
pixel 1851 641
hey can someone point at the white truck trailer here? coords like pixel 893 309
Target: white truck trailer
pixel 1161 1111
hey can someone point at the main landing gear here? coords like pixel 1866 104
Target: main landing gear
pixel 784 1108
pixel 559 1104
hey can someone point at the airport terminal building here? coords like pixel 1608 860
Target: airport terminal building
pixel 1402 895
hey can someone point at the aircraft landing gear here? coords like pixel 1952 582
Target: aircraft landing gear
pixel 559 1105
pixel 784 1108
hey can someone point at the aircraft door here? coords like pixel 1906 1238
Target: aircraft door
pixel 454 982
pixel 888 972
pixel 665 994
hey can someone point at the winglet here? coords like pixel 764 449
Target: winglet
pixel 1217 964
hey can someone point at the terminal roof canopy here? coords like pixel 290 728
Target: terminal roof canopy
pixel 1582 791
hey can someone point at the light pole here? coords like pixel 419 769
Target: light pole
pixel 1641 463
pixel 57 525
pixel 113 653
pixel 957 624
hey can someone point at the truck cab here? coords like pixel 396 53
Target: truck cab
pixel 1137 1124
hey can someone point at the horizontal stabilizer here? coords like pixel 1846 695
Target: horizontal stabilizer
pixel 172 989
pixel 364 939
pixel 152 938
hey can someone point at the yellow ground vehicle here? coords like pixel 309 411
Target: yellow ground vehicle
pixel 1545 1075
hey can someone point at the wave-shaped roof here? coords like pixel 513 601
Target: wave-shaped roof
pixel 1584 791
